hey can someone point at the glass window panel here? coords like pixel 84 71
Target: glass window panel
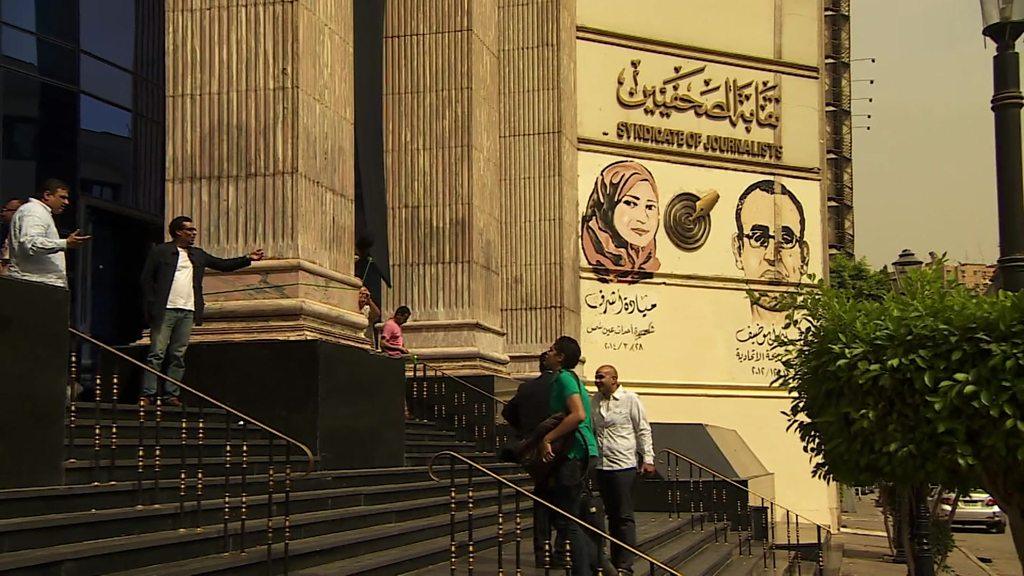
pixel 19 45
pixel 35 55
pixel 55 18
pixel 105 150
pixel 19 12
pixel 103 118
pixel 108 30
pixel 39 133
pixel 106 81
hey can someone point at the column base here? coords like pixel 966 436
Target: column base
pixel 282 319
pixel 466 361
pixel 459 347
pixel 288 299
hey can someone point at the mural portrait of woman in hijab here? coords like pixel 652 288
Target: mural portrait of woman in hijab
pixel 620 223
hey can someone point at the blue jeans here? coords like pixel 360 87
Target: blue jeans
pixel 168 341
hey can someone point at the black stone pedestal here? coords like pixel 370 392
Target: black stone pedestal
pixel 33 381
pixel 343 402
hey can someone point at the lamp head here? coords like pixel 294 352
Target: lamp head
pixel 907 260
pixel 1002 20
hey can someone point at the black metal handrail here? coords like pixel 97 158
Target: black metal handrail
pixel 740 486
pixel 441 372
pixel 518 492
pixel 160 443
pixel 310 460
pixel 453 403
pixel 769 541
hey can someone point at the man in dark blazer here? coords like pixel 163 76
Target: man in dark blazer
pixel 172 291
pixel 524 412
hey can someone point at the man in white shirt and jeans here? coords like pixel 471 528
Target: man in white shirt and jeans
pixel 623 433
pixel 36 249
pixel 172 290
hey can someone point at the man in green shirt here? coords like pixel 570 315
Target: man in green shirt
pixel 566 492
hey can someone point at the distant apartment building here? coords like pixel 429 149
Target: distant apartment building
pixel 975 276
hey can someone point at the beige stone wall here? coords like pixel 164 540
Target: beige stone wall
pixel 701 100
pixel 538 179
pixel 784 30
pixel 260 154
pixel 441 100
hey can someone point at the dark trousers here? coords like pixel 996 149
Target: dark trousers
pixel 541 526
pixel 617 494
pixel 567 494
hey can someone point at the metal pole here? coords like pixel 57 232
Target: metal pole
pixel 924 563
pixel 1007 102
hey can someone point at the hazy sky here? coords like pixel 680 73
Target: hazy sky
pixel 924 175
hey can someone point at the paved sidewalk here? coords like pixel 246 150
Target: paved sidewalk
pixel 867 553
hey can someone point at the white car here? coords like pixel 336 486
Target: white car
pixel 975 508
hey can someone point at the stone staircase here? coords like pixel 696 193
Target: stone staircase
pixel 112 520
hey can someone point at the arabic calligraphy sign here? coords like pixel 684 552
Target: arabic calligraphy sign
pixel 687 106
pixel 728 99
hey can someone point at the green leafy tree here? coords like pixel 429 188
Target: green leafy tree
pixel 857 279
pixel 923 385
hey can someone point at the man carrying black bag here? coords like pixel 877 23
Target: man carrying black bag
pixel 525 412
pixel 568 479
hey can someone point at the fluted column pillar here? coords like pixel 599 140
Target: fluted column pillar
pixel 444 193
pixel 260 154
pixel 540 259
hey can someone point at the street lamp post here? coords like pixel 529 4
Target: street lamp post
pixel 920 515
pixel 906 262
pixel 1003 22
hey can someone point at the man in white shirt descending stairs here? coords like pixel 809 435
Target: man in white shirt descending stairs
pixel 623 433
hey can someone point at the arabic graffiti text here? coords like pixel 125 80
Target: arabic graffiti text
pixel 616 303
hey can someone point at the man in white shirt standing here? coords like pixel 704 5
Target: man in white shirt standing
pixel 36 249
pixel 172 290
pixel 623 433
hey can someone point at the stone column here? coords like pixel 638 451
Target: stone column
pixel 444 190
pixel 260 154
pixel 540 257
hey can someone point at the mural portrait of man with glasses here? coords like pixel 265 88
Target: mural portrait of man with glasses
pixel 769 244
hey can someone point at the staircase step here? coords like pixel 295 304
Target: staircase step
pixel 84 449
pixel 83 471
pixel 710 559
pixel 23 533
pixel 432 447
pixel 390 562
pixel 88 409
pixel 316 550
pixel 746 565
pixel 421 425
pixel 673 551
pixel 652 530
pixel 88 496
pixel 414 459
pixel 428 434
pixel 213 429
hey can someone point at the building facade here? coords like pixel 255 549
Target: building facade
pixel 82 100
pixel 647 178
pixel 839 123
pixel 975 276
